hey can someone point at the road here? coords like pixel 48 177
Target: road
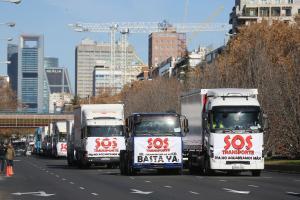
pixel 43 178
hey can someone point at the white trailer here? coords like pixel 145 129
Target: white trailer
pixel 225 130
pixel 98 134
pixel 59 147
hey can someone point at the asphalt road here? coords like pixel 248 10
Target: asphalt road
pixel 43 178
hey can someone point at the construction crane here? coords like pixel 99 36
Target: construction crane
pixel 141 27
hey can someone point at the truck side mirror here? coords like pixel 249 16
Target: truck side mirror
pixel 185 125
pixel 266 122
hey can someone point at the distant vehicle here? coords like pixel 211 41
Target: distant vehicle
pixel 153 141
pixel 20 148
pixel 225 130
pixel 98 135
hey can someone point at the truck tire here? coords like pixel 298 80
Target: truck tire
pixel 192 169
pixel 255 172
pixel 206 171
pixel 122 161
pixel 130 170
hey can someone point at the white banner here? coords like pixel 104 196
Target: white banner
pixel 61 148
pixel 238 146
pixel 157 150
pixel 105 146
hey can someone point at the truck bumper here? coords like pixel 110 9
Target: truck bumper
pixel 158 166
pixel 103 160
pixel 229 165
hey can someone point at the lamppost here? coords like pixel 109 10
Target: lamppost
pixel 12 1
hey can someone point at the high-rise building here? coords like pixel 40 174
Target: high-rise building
pixel 12 68
pixel 31 73
pixel 246 12
pixel 50 62
pixel 163 45
pixel 58 80
pixel 89 54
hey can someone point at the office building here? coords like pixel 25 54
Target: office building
pixel 163 45
pixel 12 68
pixel 246 12
pixel 90 54
pixel 50 62
pixel 31 73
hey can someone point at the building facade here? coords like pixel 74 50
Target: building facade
pixel 163 45
pixel 31 73
pixel 12 68
pixel 90 54
pixel 246 12
pixel 51 62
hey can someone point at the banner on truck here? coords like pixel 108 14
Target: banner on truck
pixel 105 146
pixel 238 146
pixel 157 150
pixel 61 148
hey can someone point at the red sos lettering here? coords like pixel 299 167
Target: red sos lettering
pixel 238 142
pixel 106 143
pixel 158 143
pixel 63 147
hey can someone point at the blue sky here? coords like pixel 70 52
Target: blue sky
pixel 51 17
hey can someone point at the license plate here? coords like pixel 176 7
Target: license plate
pixel 237 167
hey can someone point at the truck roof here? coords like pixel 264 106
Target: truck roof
pixel 223 92
pixel 93 111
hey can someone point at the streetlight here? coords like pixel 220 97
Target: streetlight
pixel 9 24
pixel 12 1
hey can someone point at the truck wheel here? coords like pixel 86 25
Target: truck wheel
pixel 206 171
pixel 122 171
pixel 256 172
pixel 130 170
pixel 192 169
pixel 70 161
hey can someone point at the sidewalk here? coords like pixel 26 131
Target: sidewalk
pixel 289 166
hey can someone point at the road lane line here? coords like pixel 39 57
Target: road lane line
pixel 196 193
pixel 95 194
pixel 255 186
pixel 57 176
pixel 148 181
pixel 63 179
pixel 82 188
pixel 72 183
pixel 168 186
pixel 293 194
pixel 132 178
pixel 223 180
pixel 236 191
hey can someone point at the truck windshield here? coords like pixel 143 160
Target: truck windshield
pixel 235 118
pixel 62 137
pixel 158 125
pixel 104 131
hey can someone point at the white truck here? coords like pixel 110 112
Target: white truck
pixel 98 134
pixel 59 146
pixel 225 130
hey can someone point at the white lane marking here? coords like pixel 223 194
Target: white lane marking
pixel 95 194
pixel 132 178
pixel 223 180
pixel 17 160
pixel 47 171
pixel 39 193
pixel 57 176
pixel 293 193
pixel 99 170
pixel 236 191
pixel 148 181
pixel 194 192
pixel 52 173
pixel 135 191
pixel 255 186
pixel 82 188
pixel 72 183
pixel 168 186
pixel 63 179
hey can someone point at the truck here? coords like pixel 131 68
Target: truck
pixel 153 141
pixel 226 129
pixel 59 146
pixel 98 134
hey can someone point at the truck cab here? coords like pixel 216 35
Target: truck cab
pixel 153 141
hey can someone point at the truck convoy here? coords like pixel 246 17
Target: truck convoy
pixel 98 135
pixel 153 141
pixel 225 130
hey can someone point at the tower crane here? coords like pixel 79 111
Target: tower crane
pixel 141 27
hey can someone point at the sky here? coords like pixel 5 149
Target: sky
pixel 51 18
